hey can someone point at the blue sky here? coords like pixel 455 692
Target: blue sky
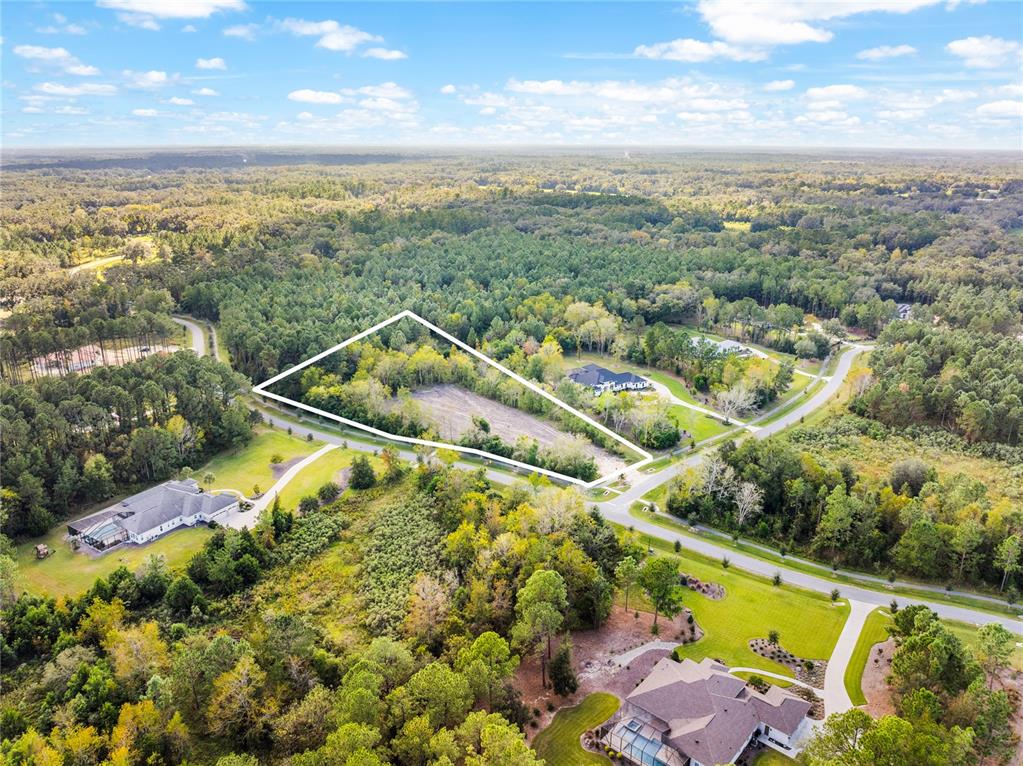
pixel 891 73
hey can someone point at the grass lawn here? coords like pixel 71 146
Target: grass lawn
pixel 875 630
pixel 968 634
pixel 244 467
pixel 772 758
pixel 559 742
pixel 808 622
pixel 903 591
pixel 314 476
pixel 699 426
pixel 66 573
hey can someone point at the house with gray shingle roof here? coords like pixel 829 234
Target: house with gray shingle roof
pixel 151 513
pixel 697 714
pixel 601 379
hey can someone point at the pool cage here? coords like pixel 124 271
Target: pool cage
pixel 641 744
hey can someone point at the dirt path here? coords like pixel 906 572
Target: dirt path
pixel 452 408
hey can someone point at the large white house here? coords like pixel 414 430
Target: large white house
pixel 149 514
pixel 601 379
pixel 697 714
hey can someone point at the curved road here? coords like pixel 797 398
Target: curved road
pixel 617 508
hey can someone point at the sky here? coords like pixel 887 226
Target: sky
pixel 797 73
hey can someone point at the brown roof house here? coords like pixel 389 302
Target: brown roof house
pixel 697 714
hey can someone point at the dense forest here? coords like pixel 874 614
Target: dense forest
pixel 439 583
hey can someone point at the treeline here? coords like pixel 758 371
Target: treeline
pixel 968 382
pixel 160 666
pixel 913 521
pixel 67 442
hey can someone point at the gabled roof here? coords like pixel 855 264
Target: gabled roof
pixel 155 506
pixel 595 375
pixel 708 713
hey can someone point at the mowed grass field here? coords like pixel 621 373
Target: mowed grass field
pixel 808 623
pixel 875 630
pixel 248 466
pixel 66 573
pixel 312 477
pixel 558 744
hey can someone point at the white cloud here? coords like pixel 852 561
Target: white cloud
pixel 61 26
pixel 829 117
pixel 695 51
pixel 385 54
pixel 900 115
pixel 787 22
pixel 333 35
pixel 308 96
pixel 205 92
pixel 68 109
pixel 985 52
pixel 244 31
pixel 885 52
pixel 180 101
pixel 779 85
pixel 1001 109
pixel 390 90
pixel 214 63
pixel 147 80
pixel 546 87
pixel 145 112
pixel 448 89
pixel 72 91
pixel 189 29
pixel 57 57
pixel 139 20
pixel 839 93
pixel 173 9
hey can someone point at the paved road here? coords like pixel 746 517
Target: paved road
pixel 198 345
pixel 617 508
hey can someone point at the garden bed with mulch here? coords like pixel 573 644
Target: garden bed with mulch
pixel 808 671
pixel 711 590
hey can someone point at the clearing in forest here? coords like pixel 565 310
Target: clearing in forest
pixel 417 384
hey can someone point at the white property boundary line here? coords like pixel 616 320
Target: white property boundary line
pixel 261 390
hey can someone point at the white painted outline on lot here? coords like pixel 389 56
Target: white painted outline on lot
pixel 261 391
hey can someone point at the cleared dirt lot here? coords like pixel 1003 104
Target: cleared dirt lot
pixel 452 408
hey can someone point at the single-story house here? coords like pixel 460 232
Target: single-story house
pixel 151 513
pixel 601 379
pixel 905 311
pixel 729 347
pixel 697 714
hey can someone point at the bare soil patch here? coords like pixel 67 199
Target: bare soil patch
pixel 279 469
pixel 451 409
pixel 875 685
